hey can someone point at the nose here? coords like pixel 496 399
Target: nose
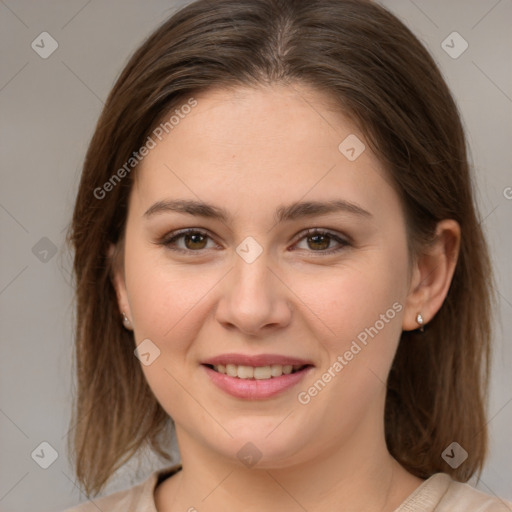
pixel 254 299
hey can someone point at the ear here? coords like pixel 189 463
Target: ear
pixel 432 275
pixel 118 280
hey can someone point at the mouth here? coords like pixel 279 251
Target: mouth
pixel 255 377
pixel 256 372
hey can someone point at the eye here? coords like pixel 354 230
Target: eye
pixel 196 240
pixel 187 240
pixel 319 240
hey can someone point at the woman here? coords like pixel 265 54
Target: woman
pixel 276 245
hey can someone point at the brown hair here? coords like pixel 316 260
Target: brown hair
pixel 382 77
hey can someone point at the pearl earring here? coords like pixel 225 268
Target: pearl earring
pixel 126 323
pixel 420 321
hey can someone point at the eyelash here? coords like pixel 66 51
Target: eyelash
pixel 171 238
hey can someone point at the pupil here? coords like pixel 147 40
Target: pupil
pixel 195 238
pixel 316 240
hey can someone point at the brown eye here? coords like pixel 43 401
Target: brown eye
pixel 194 241
pixel 189 240
pixel 322 242
pixel 319 242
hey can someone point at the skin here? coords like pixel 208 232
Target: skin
pixel 250 150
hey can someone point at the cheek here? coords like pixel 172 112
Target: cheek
pixel 166 307
pixel 362 306
pixel 165 298
pixel 365 316
pixel 356 299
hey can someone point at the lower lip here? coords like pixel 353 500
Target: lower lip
pixel 255 389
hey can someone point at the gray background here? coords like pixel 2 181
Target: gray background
pixel 49 108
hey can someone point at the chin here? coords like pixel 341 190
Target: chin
pixel 263 447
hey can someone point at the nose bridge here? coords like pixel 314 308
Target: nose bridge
pixel 253 296
pixel 252 286
pixel 251 277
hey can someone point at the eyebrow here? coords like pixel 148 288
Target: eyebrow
pixel 283 213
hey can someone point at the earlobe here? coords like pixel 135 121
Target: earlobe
pixel 432 276
pixel 127 323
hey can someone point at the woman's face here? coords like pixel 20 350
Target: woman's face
pixel 298 258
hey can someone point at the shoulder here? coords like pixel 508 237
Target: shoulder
pixel 462 497
pixel 137 498
pixel 440 493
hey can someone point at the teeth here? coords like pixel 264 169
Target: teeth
pixel 258 372
pixel 262 372
pixel 276 370
pixel 287 369
pixel 231 370
pixel 245 372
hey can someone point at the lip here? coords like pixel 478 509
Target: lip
pixel 254 389
pixel 257 360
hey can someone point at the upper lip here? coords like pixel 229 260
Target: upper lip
pixel 257 360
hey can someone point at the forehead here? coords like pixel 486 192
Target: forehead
pixel 275 122
pixel 263 143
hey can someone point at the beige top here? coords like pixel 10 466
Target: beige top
pixel 437 494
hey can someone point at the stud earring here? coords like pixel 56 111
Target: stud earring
pixel 126 323
pixel 420 321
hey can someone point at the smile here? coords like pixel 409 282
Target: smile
pixel 255 377
pixel 257 372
